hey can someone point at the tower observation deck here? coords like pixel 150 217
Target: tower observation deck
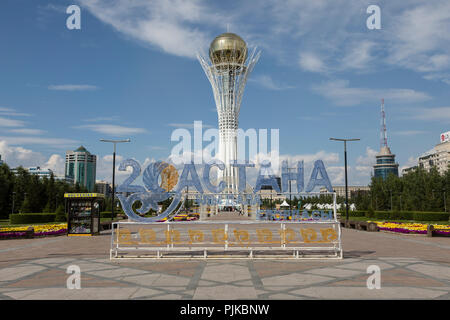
pixel 227 69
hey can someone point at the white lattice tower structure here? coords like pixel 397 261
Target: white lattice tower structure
pixel 383 133
pixel 227 69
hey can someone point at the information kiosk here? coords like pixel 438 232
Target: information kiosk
pixel 83 213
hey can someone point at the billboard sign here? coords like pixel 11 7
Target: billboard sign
pixel 445 136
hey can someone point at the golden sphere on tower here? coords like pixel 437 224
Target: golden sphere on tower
pixel 228 48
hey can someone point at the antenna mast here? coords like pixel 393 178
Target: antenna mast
pixel 383 126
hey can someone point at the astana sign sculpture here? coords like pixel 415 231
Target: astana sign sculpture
pixel 153 192
pixel 227 70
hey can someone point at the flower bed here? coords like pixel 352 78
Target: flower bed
pixel 414 228
pixel 39 231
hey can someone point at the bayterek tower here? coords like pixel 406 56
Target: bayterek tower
pixel 227 69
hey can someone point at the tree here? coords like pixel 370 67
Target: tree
pixel 60 214
pixel 6 190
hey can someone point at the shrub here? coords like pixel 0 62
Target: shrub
pixel 370 213
pixel 383 215
pixel 430 216
pixel 24 218
pixel 356 213
pixel 60 215
pixel 395 215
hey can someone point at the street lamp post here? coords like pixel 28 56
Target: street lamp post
pixel 390 191
pixel 445 201
pixel 114 171
pixel 346 179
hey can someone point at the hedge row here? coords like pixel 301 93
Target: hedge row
pixel 401 215
pixel 107 214
pixel 23 218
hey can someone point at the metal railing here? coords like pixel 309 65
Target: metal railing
pixel 227 239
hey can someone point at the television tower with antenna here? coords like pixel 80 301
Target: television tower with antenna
pixel 385 159
pixel 383 126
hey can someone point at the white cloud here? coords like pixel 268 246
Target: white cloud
pixel 19 156
pixel 420 37
pixel 430 114
pixel 110 129
pixel 56 162
pixel 412 161
pixel 72 87
pixel 58 142
pixel 99 119
pixel 408 132
pixel 27 131
pixel 414 35
pixel 267 82
pixel 311 62
pixel 174 26
pixel 188 125
pixel 339 92
pixel 11 112
pixel 359 55
pixel 5 122
pixel 367 159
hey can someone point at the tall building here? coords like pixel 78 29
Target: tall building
pixel 439 157
pixel 81 167
pixel 1 161
pixel 385 164
pixel 227 70
pixel 352 190
pixel 40 172
pixel 103 187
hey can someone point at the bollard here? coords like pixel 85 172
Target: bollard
pixel 430 229
pixel 29 233
pixel 372 227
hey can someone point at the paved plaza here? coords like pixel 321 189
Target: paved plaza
pixel 412 267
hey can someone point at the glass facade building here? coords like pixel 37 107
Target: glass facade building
pixel 81 167
pixel 385 164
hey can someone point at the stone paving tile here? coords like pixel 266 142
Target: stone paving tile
pixel 414 268
pixel 336 272
pixel 282 296
pixel 167 280
pixel 436 271
pixel 144 292
pixel 398 277
pixel 225 273
pixel 364 293
pixel 225 292
pixel 89 266
pixel 81 294
pixel 145 280
pixel 168 297
pixel 186 269
pixel 91 282
pixel 294 280
pixel 15 273
pixel 272 268
pixel 401 276
pixel 362 266
pixel 51 278
pixel 116 273
pixel 53 261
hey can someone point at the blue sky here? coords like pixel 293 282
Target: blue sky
pixel 131 72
